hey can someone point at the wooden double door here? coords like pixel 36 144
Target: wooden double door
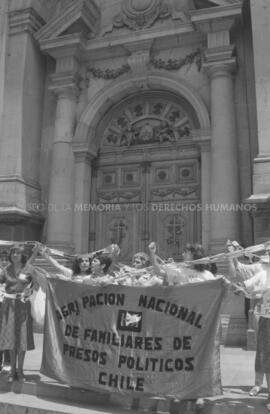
pixel 139 201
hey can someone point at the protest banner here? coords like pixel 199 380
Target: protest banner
pixel 148 341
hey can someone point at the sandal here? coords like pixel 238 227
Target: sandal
pixel 255 390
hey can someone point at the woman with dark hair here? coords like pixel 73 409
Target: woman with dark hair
pixel 183 272
pixel 16 332
pixel 81 266
pixel 89 268
pixel 196 272
pixel 100 266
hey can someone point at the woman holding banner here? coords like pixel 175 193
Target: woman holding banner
pixel 16 332
pixel 182 273
pixel 140 273
pixel 89 268
pixel 81 266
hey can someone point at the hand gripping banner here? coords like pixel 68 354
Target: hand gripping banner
pixel 155 340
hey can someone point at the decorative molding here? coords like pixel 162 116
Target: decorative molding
pixel 24 21
pixel 65 83
pixel 165 192
pixel 215 14
pixel 141 14
pixel 139 60
pixel 220 68
pixel 200 4
pixel 83 153
pixel 109 73
pixel 166 83
pixel 17 214
pixel 28 182
pixel 82 157
pixel 148 121
pixel 84 12
pixel 176 64
pixel 118 195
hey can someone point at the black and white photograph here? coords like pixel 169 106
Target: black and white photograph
pixel 134 206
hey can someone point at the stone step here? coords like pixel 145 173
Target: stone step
pixel 20 403
pixel 43 395
pixel 12 403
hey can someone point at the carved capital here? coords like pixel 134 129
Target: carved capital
pixel 65 84
pixel 220 68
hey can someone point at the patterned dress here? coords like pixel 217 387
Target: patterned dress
pixel 16 331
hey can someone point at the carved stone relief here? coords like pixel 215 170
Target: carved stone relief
pixel 141 14
pixel 148 122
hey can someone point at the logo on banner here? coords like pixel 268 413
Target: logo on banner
pixel 129 321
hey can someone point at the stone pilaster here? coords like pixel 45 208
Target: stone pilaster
pixel 60 206
pixel 224 172
pixel 20 123
pixel 82 187
pixel 220 65
pixel 64 39
pixel 204 141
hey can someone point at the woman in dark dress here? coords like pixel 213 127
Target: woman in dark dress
pixel 16 333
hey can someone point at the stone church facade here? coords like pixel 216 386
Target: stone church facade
pixel 128 121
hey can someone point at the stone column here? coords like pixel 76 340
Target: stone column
pixel 205 146
pixel 60 203
pixel 224 173
pixel 82 207
pixel 220 64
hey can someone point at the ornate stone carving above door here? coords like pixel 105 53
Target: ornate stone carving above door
pixel 140 14
pixel 148 121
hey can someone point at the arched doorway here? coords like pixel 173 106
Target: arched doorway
pixel 146 181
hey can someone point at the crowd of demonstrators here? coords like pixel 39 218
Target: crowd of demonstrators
pixel 255 279
pixel 102 268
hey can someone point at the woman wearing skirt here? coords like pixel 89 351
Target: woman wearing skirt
pixel 16 333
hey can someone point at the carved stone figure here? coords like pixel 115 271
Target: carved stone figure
pixel 146 133
pixel 127 138
pixel 165 132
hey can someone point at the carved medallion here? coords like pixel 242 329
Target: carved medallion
pixel 141 14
